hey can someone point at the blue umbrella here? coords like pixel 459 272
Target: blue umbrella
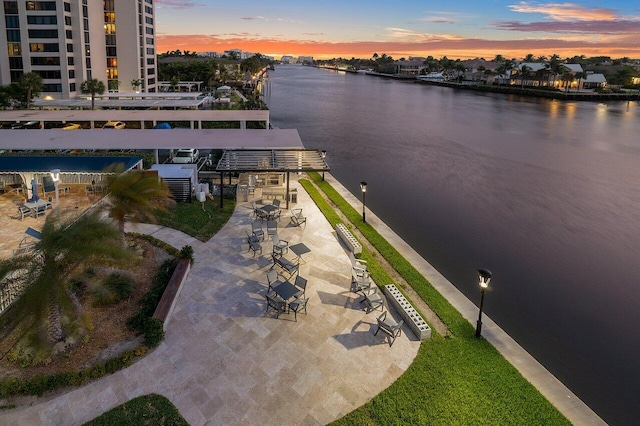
pixel 34 190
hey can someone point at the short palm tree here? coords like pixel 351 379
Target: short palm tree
pixel 32 83
pixel 92 86
pixel 47 309
pixel 136 196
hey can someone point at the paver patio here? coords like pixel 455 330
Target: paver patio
pixel 225 362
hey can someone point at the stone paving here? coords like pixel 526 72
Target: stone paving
pixel 224 361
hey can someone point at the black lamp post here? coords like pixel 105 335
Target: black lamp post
pixel 363 188
pixel 324 155
pixel 484 276
pixel 55 176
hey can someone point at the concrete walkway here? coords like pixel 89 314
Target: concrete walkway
pixel 554 390
pixel 225 362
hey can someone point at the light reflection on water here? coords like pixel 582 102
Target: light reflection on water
pixel 544 193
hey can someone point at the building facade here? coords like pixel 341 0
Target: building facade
pixel 70 41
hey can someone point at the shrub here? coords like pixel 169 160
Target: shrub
pixel 187 253
pixel 153 332
pixel 114 288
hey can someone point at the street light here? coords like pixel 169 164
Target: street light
pixel 55 176
pixel 363 188
pixel 324 155
pixel 484 276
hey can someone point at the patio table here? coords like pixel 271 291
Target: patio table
pixel 269 209
pixel 300 249
pixel 286 290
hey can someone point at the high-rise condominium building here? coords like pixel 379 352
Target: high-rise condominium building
pixel 69 41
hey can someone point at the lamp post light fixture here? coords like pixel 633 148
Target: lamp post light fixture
pixel 324 155
pixel 363 188
pixel 55 176
pixel 484 276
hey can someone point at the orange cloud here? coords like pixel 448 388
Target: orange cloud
pixel 453 48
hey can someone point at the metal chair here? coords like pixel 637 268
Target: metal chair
pixel 297 218
pixel 389 327
pixel 256 229
pixel 300 283
pixel 254 244
pixel 272 279
pixel 272 228
pixel 373 300
pixel 279 246
pixel 297 306
pixel 280 306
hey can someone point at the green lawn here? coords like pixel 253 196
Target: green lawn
pixel 146 410
pixel 454 380
pixel 191 219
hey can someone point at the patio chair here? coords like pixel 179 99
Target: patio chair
pixel 272 228
pixel 255 209
pixel 372 300
pixel 272 278
pixel 49 203
pixel 32 236
pixel 297 306
pixel 300 283
pixel 276 203
pixel 297 218
pixel 256 229
pixel 389 326
pixel 254 244
pixel 287 266
pixel 275 215
pixel 360 282
pixel 261 215
pixel 356 263
pixel 279 246
pixel 280 306
pixel 24 211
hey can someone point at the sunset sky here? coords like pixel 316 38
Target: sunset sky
pixel 355 28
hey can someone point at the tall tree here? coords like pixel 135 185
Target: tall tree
pixel 92 86
pixel 136 196
pixel 31 82
pixel 47 309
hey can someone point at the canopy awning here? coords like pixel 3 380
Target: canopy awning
pixel 272 160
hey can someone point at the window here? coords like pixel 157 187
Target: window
pixel 149 1
pixel 12 21
pixel 112 73
pixel 151 81
pixel 15 76
pixel 43 33
pixel 148 20
pixel 87 63
pixel 111 51
pixel 49 74
pixel 149 10
pixel 72 87
pixel 52 87
pixel 70 60
pixel 151 61
pixel 112 62
pixel 109 17
pixel 15 63
pixel 69 34
pixel 69 47
pixel 11 7
pixel 109 5
pixel 13 35
pixel 109 28
pixel 150 40
pixel 67 20
pixel 72 73
pixel 41 5
pixel 149 30
pixel 42 20
pixel 45 60
pixel 110 40
pixel 150 51
pixel 44 47
pixel 151 71
pixel 14 49
pixel 86 37
pixel 67 7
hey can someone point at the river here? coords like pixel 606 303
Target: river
pixel 543 193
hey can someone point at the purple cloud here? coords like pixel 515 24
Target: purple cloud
pixel 591 27
pixel 177 4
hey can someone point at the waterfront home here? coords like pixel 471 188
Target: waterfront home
pixel 594 81
pixel 411 67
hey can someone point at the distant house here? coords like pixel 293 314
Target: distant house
pixel 594 81
pixel 531 74
pixel 412 67
pixel 480 70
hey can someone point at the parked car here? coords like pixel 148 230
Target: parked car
pixel 27 125
pixel 71 126
pixel 114 125
pixel 184 156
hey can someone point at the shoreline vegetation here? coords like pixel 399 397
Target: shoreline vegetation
pixel 505 89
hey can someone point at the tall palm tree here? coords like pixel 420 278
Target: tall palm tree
pixel 92 86
pixel 47 309
pixel 32 83
pixel 136 196
pixel 525 71
pixel 580 76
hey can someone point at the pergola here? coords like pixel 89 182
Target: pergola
pixel 271 160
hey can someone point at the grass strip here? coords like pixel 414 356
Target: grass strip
pixel 452 381
pixel 151 410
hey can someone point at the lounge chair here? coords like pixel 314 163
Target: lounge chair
pixel 297 218
pixel 389 327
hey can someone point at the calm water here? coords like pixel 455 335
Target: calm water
pixel 546 194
